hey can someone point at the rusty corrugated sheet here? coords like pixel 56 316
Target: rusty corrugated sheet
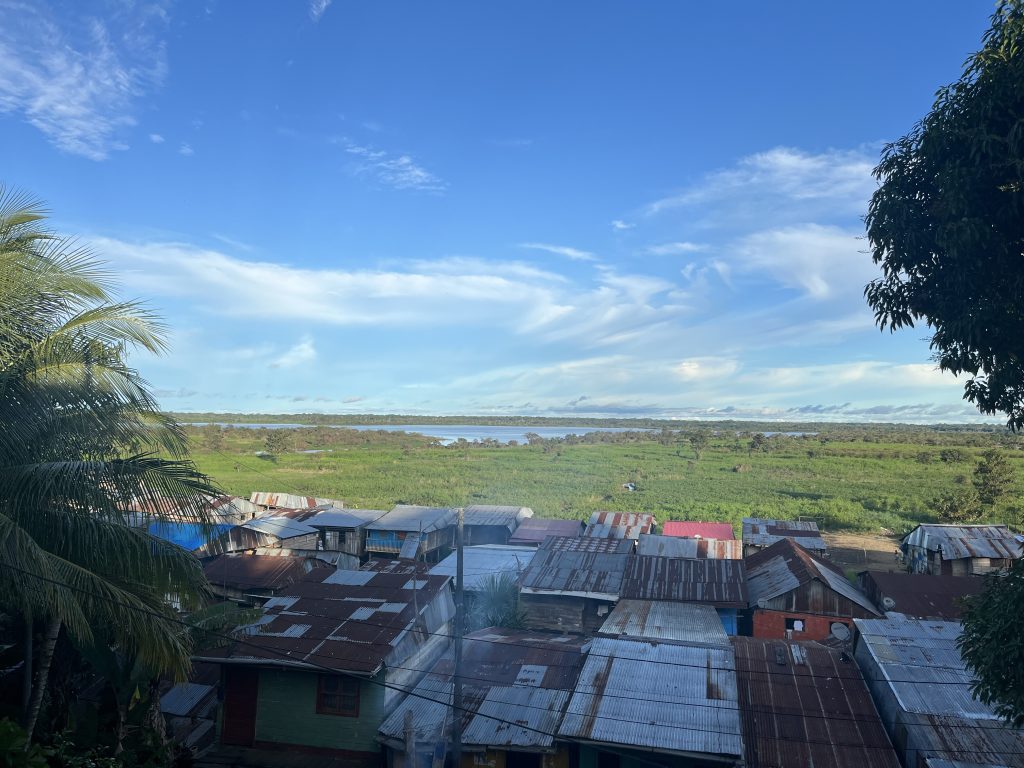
pixel 534 530
pixel 585 544
pixel 578 573
pixel 653 545
pixel 721 583
pixel 762 532
pixel 619 525
pixel 920 595
pixel 414 519
pixel 960 541
pixel 290 500
pixel 694 529
pixel 257 571
pixel 803 704
pixel 494 515
pixel 666 621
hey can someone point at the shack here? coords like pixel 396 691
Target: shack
pixel 490 524
pixel 796 595
pixel 271 502
pixel 803 704
pixel 533 530
pixel 960 550
pixel 342 530
pixel 620 525
pixel 721 584
pixel 695 529
pixel 652 545
pixel 923 693
pixel 919 595
pixel 412 532
pixel 517 686
pixel 572 584
pixel 280 529
pixel 251 580
pixel 640 702
pixel 320 670
pixel 760 532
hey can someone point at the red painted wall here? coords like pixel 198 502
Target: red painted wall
pixel 772 625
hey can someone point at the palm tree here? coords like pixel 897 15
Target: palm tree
pixel 81 442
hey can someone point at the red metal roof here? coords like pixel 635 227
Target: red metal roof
pixel 920 595
pixel 693 529
pixel 803 704
pixel 257 571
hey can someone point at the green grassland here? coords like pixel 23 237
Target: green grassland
pixel 847 481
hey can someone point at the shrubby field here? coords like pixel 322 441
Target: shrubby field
pixel 848 478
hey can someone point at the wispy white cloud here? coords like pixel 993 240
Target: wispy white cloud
pixel 186 150
pixel 707 369
pixel 78 79
pixel 399 171
pixel 302 353
pixel 671 249
pixel 561 250
pixel 317 8
pixel 156 138
pixel 619 225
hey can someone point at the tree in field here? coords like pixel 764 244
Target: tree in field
pixel 993 645
pixel 81 441
pixel 993 477
pixel 758 443
pixel 276 442
pixel 699 443
pixel 947 223
pixel 961 505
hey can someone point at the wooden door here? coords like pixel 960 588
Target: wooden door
pixel 241 693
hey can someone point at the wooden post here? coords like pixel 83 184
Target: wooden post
pixel 410 739
pixel 460 628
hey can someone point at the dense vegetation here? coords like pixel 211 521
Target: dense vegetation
pixel 851 478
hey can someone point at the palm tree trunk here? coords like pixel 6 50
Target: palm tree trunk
pixel 26 679
pixel 45 658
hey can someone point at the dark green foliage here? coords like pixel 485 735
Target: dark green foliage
pixel 992 643
pixel 993 477
pixel 14 749
pixel 952 455
pixel 947 223
pixel 497 604
pixel 961 505
pixel 276 442
pixel 699 442
pixel 758 443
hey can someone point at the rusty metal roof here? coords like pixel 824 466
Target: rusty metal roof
pixel 656 696
pixel 694 529
pixel 785 566
pixel 959 541
pixel 665 621
pixel 619 525
pixel 575 573
pixel 762 532
pixel 351 621
pixel 720 583
pixel 673 546
pixel 509 675
pixel 493 515
pixel 534 530
pixel 584 544
pixel 291 500
pixel 257 571
pixel 920 595
pixel 410 518
pixel 485 560
pixel 803 704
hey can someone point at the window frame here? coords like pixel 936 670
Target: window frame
pixel 323 708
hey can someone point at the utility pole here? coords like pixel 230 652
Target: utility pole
pixel 460 628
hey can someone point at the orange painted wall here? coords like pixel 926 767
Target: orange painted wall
pixel 772 625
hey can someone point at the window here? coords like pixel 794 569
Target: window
pixel 797 625
pixel 337 696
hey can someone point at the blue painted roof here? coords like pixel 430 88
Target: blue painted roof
pixel 187 535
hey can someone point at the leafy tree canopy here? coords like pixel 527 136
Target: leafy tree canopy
pixel 947 223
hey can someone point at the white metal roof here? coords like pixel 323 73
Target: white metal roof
pixel 406 517
pixel 666 621
pixel 485 560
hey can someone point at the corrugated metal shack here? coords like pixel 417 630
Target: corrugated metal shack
pixel 433 525
pixel 638 698
pixel 695 529
pixel 252 579
pixel 491 524
pixel 796 595
pixel 269 502
pixel 572 583
pixel 923 693
pixel 718 583
pixel 534 530
pixel 342 530
pixel 276 529
pixel 960 550
pixel 919 595
pixel 760 532
pixel 509 675
pixel 620 525
pixel 665 622
pixel 383 624
pixel 481 562
pixel 652 545
pixel 803 704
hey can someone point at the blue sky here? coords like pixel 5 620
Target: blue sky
pixel 587 208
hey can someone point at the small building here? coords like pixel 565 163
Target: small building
pixel 481 562
pixel 923 693
pixel 572 584
pixel 798 596
pixel 659 621
pixel 533 530
pixel 620 525
pixel 960 550
pixel 342 530
pixel 919 595
pixel 642 702
pixel 412 532
pixel 652 545
pixel 721 584
pixel 490 524
pixel 280 529
pixel 802 704
pixel 271 502
pixel 254 579
pixel 760 532
pixel 517 684
pixel 694 529
pixel 325 664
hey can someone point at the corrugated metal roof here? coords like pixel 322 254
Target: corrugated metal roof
pixel 958 541
pixel 666 621
pixel 580 574
pixel 619 525
pixel 280 526
pixel 534 530
pixel 494 515
pixel 634 694
pixel 257 571
pixel 785 566
pixel 409 518
pixel 919 595
pixel 332 517
pixel 291 500
pixel 762 532
pixel 694 529
pixel 652 545
pixel 716 582
pixel 584 544
pixel 481 562
pixel 515 684
pixel 184 698
pixel 803 704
